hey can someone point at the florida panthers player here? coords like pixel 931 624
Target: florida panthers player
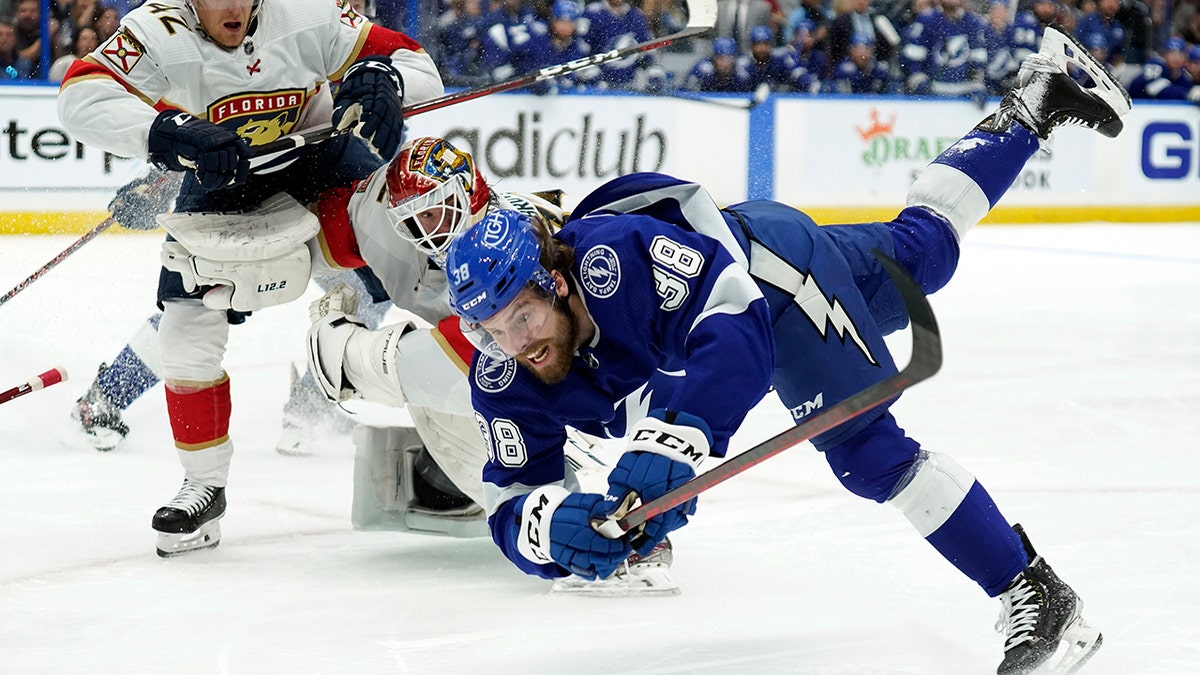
pixel 649 276
pixel 192 84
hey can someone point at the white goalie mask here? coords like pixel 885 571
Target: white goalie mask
pixel 435 191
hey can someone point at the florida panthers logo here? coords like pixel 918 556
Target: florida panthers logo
pixel 260 117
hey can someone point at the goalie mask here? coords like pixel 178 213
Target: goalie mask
pixel 435 191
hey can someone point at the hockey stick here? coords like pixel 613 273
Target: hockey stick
pixel 52 376
pixel 925 361
pixel 91 234
pixel 702 16
pixel 760 96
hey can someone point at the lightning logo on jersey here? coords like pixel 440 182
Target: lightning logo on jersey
pixel 822 313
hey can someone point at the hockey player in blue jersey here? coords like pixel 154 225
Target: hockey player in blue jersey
pixel 945 52
pixel 1103 22
pixel 773 66
pixel 812 59
pixel 860 73
pixel 718 71
pixel 616 24
pixel 1166 77
pixel 649 277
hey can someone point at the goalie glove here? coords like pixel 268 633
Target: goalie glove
pixel 371 100
pixel 665 450
pixel 348 360
pixel 180 142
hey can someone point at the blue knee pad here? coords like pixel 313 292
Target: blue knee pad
pixel 872 462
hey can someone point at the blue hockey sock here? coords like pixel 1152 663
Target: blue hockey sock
pixel 992 160
pixel 980 543
pixel 127 378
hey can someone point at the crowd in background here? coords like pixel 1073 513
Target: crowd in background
pixel 957 48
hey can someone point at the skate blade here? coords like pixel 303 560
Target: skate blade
pixel 651 582
pixel 206 536
pixel 1078 644
pixel 1063 48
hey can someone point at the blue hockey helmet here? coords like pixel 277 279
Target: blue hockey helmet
pixel 1175 45
pixel 1194 55
pixel 724 46
pixel 762 34
pixel 490 263
pixel 565 9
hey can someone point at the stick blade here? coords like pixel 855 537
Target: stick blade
pixel 926 358
pixel 702 13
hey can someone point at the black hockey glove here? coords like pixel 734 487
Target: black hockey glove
pixel 180 142
pixel 370 99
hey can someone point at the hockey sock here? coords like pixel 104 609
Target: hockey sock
pixel 200 417
pixel 993 161
pixel 127 378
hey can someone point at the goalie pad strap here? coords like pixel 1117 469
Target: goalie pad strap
pixel 278 226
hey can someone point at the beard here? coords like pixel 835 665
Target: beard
pixel 562 349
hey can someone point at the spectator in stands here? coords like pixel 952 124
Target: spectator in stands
pixel 1193 63
pixel 1167 77
pixel 860 72
pixel 664 17
pixel 774 66
pixel 1134 15
pixel 717 72
pixel 1002 63
pixel 83 14
pixel 857 16
pixel 1103 22
pixel 804 45
pixel 13 66
pixel 945 52
pixel 459 43
pixel 510 14
pixel 86 40
pixel 460 28
pixel 814 11
pixel 1185 21
pixel 106 23
pixel 560 44
pixel 28 28
pixel 736 18
pixel 615 24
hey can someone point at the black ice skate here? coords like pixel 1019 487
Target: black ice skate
pixel 190 521
pixel 1042 620
pixel 1047 97
pixel 99 417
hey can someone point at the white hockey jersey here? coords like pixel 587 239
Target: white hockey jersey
pixel 276 82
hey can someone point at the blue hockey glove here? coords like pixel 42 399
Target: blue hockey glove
pixel 180 142
pixel 556 526
pixel 371 96
pixel 665 449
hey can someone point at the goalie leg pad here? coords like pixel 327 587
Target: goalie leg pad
pixel 384 498
pixel 456 445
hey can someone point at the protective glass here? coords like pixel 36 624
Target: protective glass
pixel 430 221
pixel 517 326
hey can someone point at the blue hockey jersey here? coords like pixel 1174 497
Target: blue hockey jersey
pixel 680 325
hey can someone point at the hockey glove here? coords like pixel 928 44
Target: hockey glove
pixel 140 200
pixel 370 99
pixel 180 142
pixel 556 526
pixel 665 449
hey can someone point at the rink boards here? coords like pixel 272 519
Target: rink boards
pixel 840 158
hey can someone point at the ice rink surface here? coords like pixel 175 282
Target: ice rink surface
pixel 1071 388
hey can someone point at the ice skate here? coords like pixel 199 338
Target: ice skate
pixel 190 521
pixel 1047 97
pixel 310 422
pixel 1042 620
pixel 99 417
pixel 648 576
